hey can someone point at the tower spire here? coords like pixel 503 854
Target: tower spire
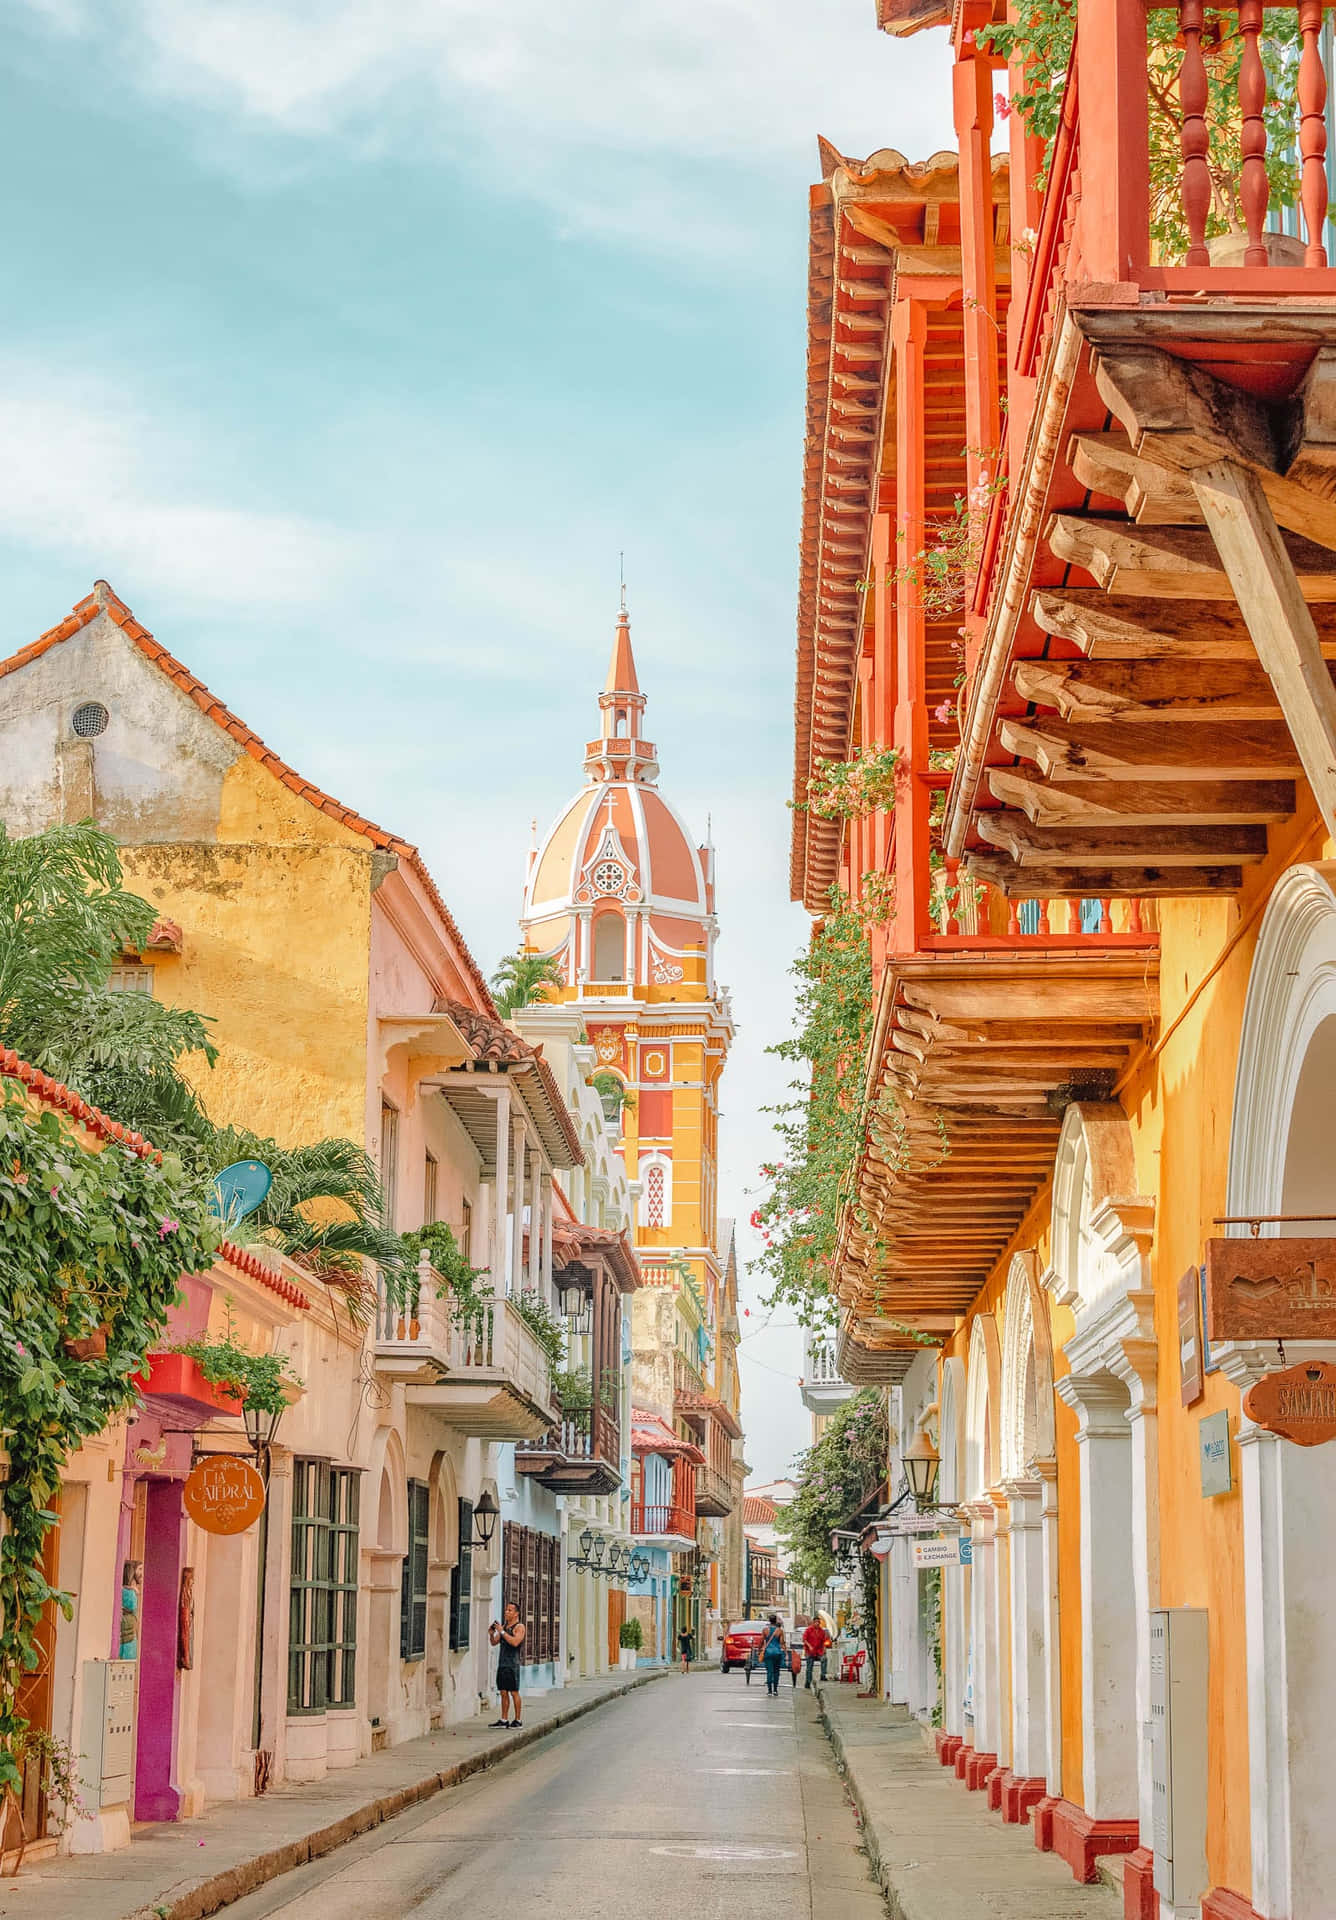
pixel 620 753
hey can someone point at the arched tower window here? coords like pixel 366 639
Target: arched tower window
pixel 656 1193
pixel 609 947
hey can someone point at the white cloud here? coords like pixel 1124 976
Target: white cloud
pixel 565 105
pixel 87 475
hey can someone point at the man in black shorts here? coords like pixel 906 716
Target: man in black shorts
pixel 686 1645
pixel 508 1634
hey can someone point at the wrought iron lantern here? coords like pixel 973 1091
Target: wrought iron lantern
pixel 261 1425
pixel 485 1516
pixel 586 1542
pixel 922 1464
pixel 600 1548
pixel 577 1307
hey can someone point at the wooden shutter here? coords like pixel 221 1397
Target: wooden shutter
pixel 461 1582
pixel 543 1651
pixel 529 1606
pixel 413 1585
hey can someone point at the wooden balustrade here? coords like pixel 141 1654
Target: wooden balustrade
pixel 965 912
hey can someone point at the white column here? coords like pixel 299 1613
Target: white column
pixel 547 1241
pixel 1136 1369
pixel 983 1626
pixel 1002 1623
pixel 535 1220
pixel 904 1621
pixel 1287 1563
pixel 1109 1628
pixel 500 1243
pixel 1029 1713
pixel 955 1646
pixel 1047 1470
pixel 517 1133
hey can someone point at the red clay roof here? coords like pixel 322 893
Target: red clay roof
pixel 498 1045
pixel 757 1512
pixel 54 1093
pixel 573 1241
pixel 650 1434
pixel 103 600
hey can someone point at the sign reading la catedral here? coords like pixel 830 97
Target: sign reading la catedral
pixel 1298 1404
pixel 1271 1289
pixel 223 1494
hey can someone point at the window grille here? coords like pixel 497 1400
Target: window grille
pixel 654 1196
pixel 322 1620
pixel 413 1590
pixel 131 979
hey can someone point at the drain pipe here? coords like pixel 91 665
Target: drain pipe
pixel 1046 436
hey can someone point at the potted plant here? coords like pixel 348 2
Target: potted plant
pixel 630 1638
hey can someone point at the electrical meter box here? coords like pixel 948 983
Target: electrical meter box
pixel 1178 1727
pixel 108 1746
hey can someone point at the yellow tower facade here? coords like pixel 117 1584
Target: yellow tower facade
pixel 622 898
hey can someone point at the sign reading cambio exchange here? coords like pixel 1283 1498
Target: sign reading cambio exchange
pixel 1299 1404
pixel 938 1553
pixel 224 1494
pixel 1271 1289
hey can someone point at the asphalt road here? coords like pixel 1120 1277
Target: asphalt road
pixel 698 1794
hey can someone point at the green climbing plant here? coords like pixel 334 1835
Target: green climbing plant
pixel 835 1478
pixel 92 1248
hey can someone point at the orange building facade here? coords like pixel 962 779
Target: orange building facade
pixel 1068 559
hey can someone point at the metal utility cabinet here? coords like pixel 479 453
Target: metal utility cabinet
pixel 107 1750
pixel 1178 1737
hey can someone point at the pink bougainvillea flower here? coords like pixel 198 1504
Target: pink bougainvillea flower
pixel 942 713
pixel 1002 106
pixel 166 1227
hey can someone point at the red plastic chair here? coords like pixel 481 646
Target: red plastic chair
pixel 851 1668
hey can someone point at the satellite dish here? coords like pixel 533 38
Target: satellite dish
pixel 239 1190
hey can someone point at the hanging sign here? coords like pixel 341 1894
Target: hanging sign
pixel 224 1494
pixel 937 1553
pixel 1271 1289
pixel 1191 1376
pixel 1298 1404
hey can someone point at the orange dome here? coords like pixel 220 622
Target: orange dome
pixel 620 852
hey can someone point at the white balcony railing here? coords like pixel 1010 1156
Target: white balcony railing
pixel 824 1387
pixel 491 1342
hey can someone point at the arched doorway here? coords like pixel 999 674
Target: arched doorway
pixel 442 1557
pixel 1029 1479
pixel 1101 1250
pixel 955 1580
pixel 1280 1161
pixel 389 1479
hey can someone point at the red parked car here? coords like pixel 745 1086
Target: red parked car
pixel 742 1648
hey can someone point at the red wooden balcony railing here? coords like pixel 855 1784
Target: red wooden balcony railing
pixel 662 1518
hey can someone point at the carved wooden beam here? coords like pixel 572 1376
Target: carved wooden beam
pixel 1138 750
pixel 1110 627
pixel 1272 601
pixel 1179 561
pixel 1023 883
pixel 1132 846
pixel 1179 416
pixel 1153 495
pixel 1186 803
pixel 1173 690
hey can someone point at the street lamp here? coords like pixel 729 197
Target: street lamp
pixel 577 1307
pixel 485 1515
pixel 586 1542
pixel 922 1463
pixel 261 1425
pixel 600 1548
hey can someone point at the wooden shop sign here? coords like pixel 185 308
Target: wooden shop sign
pixel 1271 1289
pixel 1298 1404
pixel 224 1494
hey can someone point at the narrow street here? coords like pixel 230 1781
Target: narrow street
pixel 699 1793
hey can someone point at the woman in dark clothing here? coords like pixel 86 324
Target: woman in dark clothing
pixel 508 1634
pixel 772 1652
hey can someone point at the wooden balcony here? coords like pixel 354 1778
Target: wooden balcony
pixel 1157 596
pixel 484 1375
pixel 714 1493
pixel 574 1456
pixel 664 1525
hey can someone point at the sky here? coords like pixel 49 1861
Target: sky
pixel 352 341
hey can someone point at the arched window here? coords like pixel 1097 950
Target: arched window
pixel 609 947
pixel 656 1192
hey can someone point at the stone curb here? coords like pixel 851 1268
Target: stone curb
pixel 867 1831
pixel 207 1896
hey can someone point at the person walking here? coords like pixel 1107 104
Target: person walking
pixel 508 1634
pixel 816 1642
pixel 772 1652
pixel 686 1646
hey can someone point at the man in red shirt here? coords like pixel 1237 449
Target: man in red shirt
pixel 815 1642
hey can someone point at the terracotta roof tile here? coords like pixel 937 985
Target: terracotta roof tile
pixel 103 600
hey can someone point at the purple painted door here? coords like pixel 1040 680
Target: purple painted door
pixel 156 1796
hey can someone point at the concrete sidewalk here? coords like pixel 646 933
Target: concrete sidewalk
pixel 188 1870
pixel 937 1851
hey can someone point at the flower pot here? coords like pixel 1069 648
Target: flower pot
pixel 1282 249
pixel 627 1659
